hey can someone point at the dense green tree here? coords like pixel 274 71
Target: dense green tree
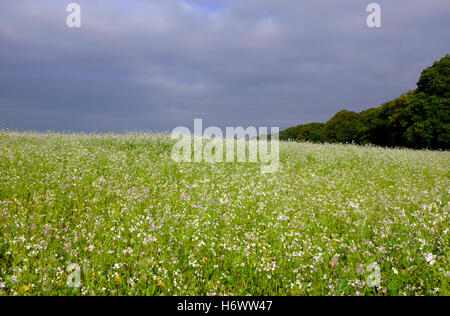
pixel 313 132
pixel 425 120
pixel 418 119
pixel 344 127
pixel 436 79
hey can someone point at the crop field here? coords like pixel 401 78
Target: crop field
pixel 333 220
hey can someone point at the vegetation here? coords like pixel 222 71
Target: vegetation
pixel 418 119
pixel 138 223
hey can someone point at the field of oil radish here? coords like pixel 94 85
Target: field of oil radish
pixel 88 214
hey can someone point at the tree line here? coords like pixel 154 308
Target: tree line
pixel 417 119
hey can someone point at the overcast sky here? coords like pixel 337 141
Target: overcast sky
pixel 155 65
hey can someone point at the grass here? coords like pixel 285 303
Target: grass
pixel 137 223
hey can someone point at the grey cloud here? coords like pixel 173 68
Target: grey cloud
pixel 155 65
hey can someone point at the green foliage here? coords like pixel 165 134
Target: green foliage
pixel 343 127
pixel 138 223
pixel 436 79
pixel 417 119
pixel 313 132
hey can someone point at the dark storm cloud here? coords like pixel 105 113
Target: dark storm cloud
pixel 155 65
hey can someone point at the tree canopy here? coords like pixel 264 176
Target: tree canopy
pixel 417 119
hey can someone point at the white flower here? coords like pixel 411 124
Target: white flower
pixel 282 218
pixel 149 240
pixel 2 285
pixel 395 270
pixel 430 258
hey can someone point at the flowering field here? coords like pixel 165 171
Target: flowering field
pixel 137 223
